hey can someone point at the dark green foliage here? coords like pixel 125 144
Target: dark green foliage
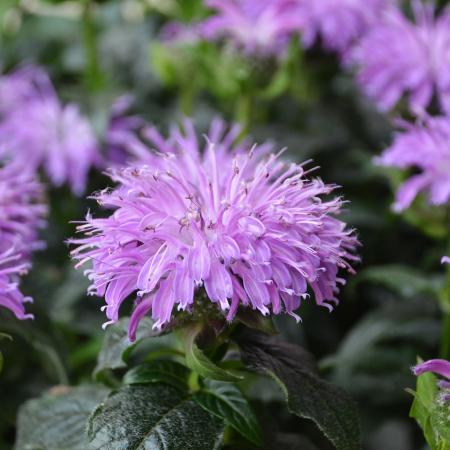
pixel 308 396
pixel 388 313
pixel 227 402
pixel 156 417
pixel 58 420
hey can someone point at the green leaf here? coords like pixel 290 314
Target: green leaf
pixel 42 336
pixel 161 371
pixel 423 403
pixel 198 361
pixel 404 280
pixel 432 415
pixel 153 417
pixel 376 353
pixel 226 401
pixel 116 347
pixel 308 396
pixel 58 419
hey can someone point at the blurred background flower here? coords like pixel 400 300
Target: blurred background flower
pixel 37 129
pixel 22 214
pixel 402 57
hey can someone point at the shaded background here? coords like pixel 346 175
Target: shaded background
pixel 97 51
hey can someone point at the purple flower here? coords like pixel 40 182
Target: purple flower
pixel 11 268
pixel 181 33
pixel 399 57
pixel 425 146
pixel 122 135
pixel 21 86
pixel 21 215
pixel 244 227
pixel 338 23
pixel 439 366
pixel 256 26
pixel 445 260
pixel 41 132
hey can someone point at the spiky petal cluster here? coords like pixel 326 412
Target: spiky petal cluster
pixel 21 215
pixel 256 26
pixel 251 230
pixel 399 57
pixel 426 147
pixel 38 130
pixel 338 23
pixel 439 366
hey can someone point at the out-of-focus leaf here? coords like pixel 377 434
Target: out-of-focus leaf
pixel 57 420
pixel 154 417
pixel 73 287
pixel 190 9
pixel 40 335
pixel 406 281
pixel 226 401
pixel 5 5
pixel 307 395
pixel 169 61
pixel 431 220
pixel 116 347
pixel 160 371
pixel 198 361
pixel 376 354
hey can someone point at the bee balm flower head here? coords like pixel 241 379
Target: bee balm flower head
pixel 245 227
pixel 40 131
pixel 426 147
pixel 261 26
pixel 337 23
pixel 398 56
pixel 21 215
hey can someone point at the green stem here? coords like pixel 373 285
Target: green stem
pixel 93 75
pixel 187 100
pixel 244 111
pixel 194 381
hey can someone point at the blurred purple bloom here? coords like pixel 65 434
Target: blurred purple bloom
pixel 338 23
pixel 122 135
pixel 257 26
pixel 439 366
pixel 180 33
pixel 41 132
pixel 249 228
pixel 445 260
pixel 21 215
pixel 399 57
pixel 426 147
pixel 11 268
pixel 21 86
